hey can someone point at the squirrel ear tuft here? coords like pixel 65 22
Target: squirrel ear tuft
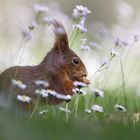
pixel 61 39
pixel 61 44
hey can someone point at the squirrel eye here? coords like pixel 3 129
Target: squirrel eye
pixel 75 60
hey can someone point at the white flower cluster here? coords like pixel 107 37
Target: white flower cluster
pixel 114 53
pixel 83 40
pixel 121 43
pixel 26 34
pixel 42 93
pixel 79 91
pixel 120 108
pixel 32 25
pixel 136 37
pixel 41 83
pixel 24 98
pixel 82 12
pixel 98 93
pixel 79 84
pixel 19 84
pixel 103 32
pixel 95 45
pixel 97 108
pixel 84 47
pixel 42 112
pixel 80 27
pixel 45 93
pixel 39 8
pixel 66 98
pixel 88 111
pixel 105 63
pixel 48 20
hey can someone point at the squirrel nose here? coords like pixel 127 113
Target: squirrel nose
pixel 85 75
pixel 84 78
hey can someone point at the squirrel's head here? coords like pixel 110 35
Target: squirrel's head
pixel 63 58
pixel 76 70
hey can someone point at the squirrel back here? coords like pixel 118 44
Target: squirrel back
pixel 60 68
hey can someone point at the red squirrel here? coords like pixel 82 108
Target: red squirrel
pixel 60 68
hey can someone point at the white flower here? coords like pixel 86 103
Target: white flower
pixel 85 48
pixel 42 92
pixel 43 112
pixel 98 93
pixel 79 84
pixel 105 62
pixel 45 93
pixel 80 11
pixel 38 92
pixel 120 108
pixel 88 111
pixel 97 108
pixel 42 83
pixel 117 41
pixel 64 109
pixel 136 37
pixel 19 84
pixel 84 40
pixel 27 35
pixel 33 25
pixel 48 20
pixel 114 53
pixel 79 91
pixel 83 9
pixel 51 92
pixel 40 8
pixel 103 32
pixel 67 98
pixel 121 43
pixel 95 45
pixel 124 43
pixel 80 27
pixel 24 98
pixel 76 13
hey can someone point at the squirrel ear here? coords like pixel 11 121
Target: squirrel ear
pixel 61 41
pixel 61 44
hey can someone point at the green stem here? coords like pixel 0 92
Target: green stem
pixel 94 101
pixel 35 108
pixel 123 80
pixel 76 106
pixel 67 114
pixel 75 35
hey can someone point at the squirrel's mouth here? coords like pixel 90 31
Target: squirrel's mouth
pixel 85 80
pixel 81 79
